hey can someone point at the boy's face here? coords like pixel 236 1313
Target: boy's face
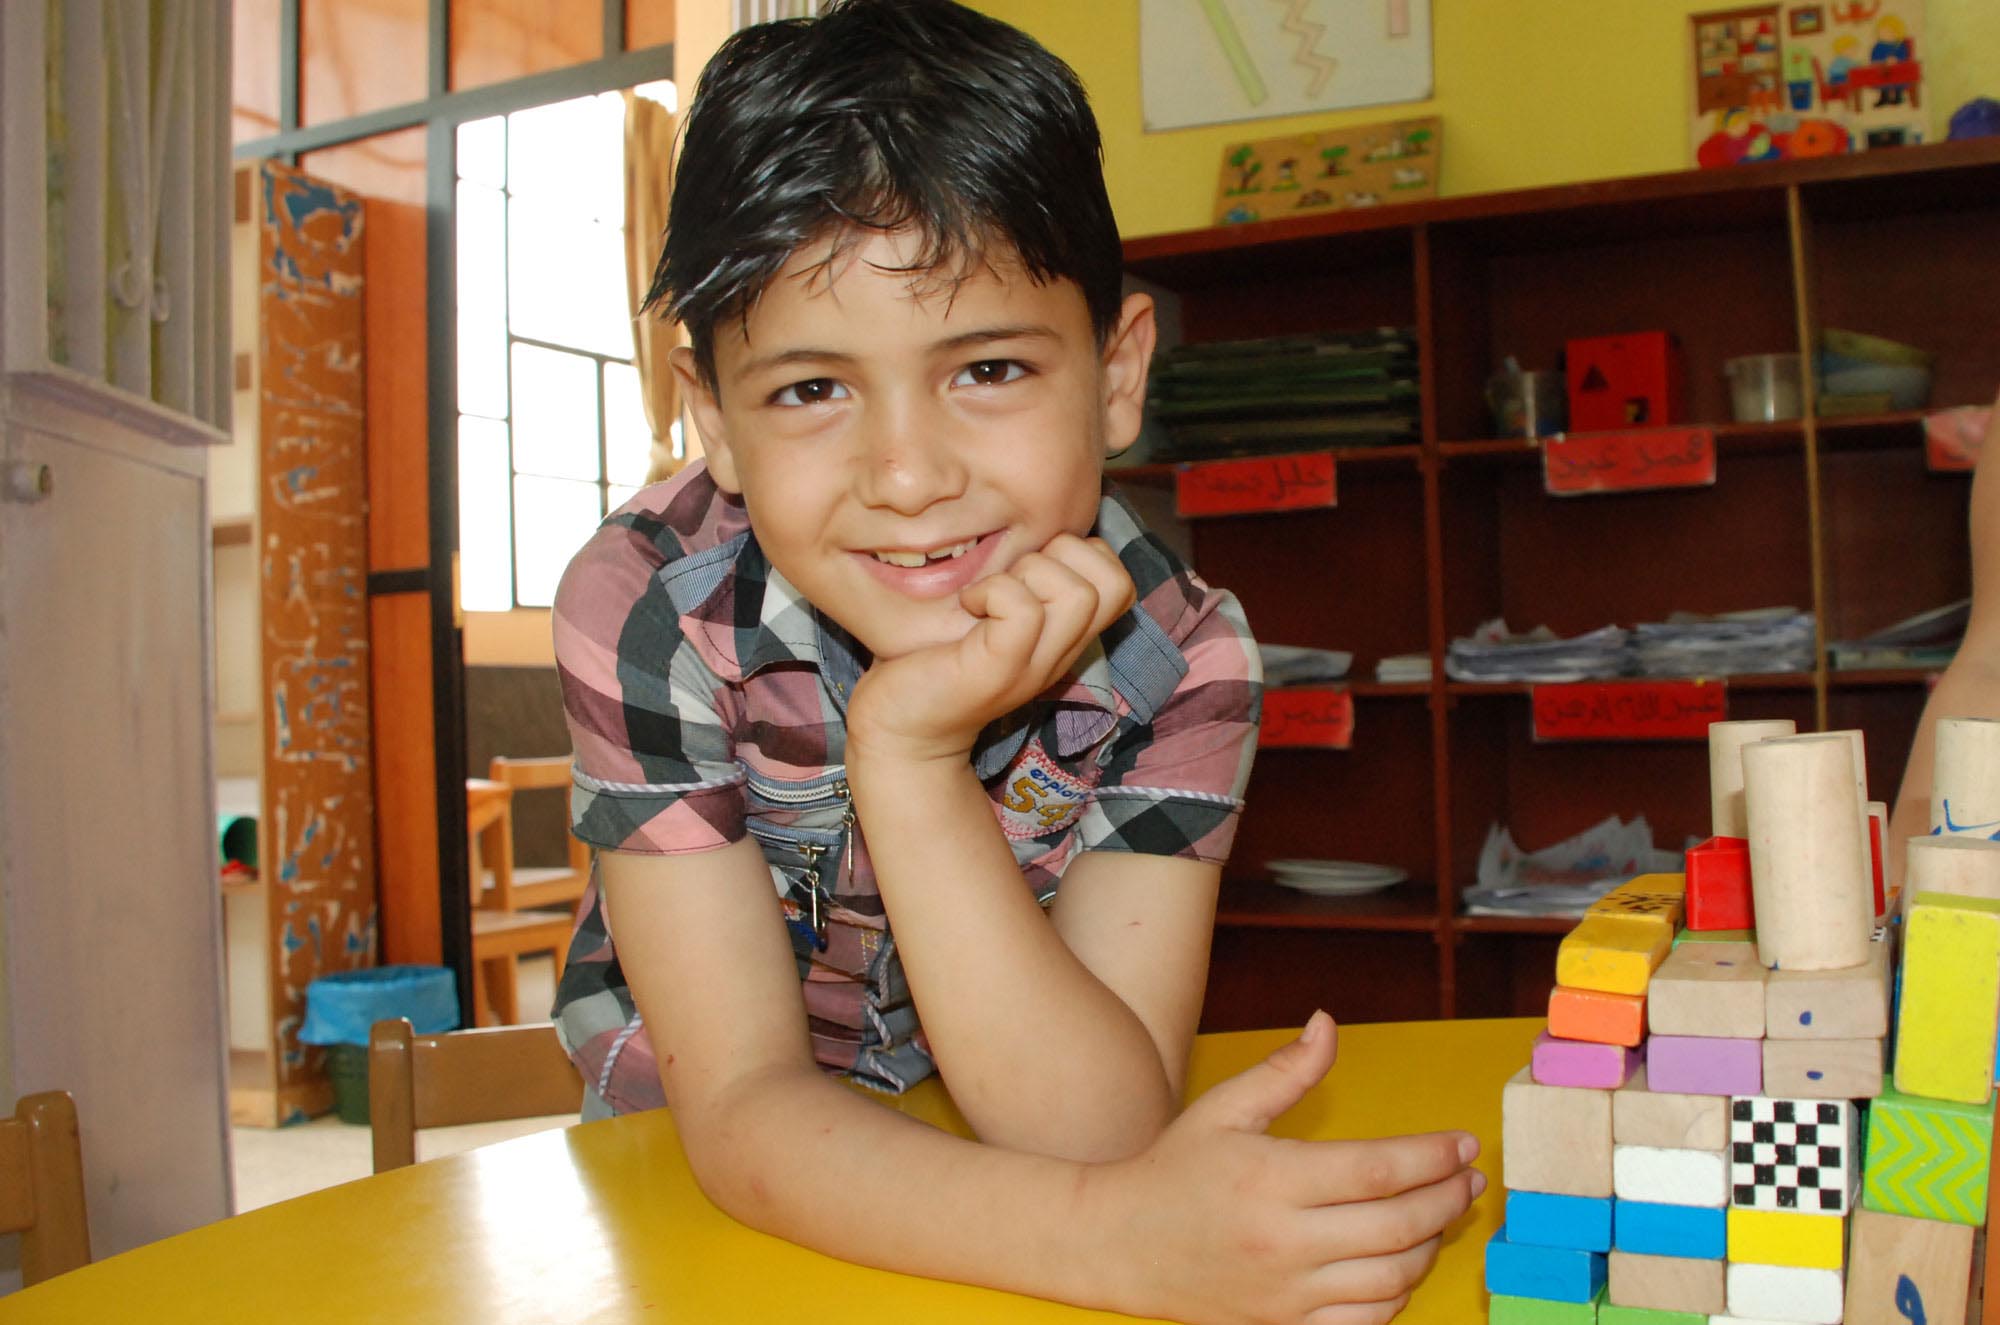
pixel 873 418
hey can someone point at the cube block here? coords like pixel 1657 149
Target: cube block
pixel 1848 1003
pixel 1583 1063
pixel 1670 1177
pixel 1785 1292
pixel 1951 998
pixel 1592 1014
pixel 1544 1219
pixel 1718 885
pixel 1823 1069
pixel 1928 1158
pixel 1712 989
pixel 1903 1269
pixel 1641 1116
pixel 1504 1309
pixel 1654 1229
pixel 1555 1138
pixel 1614 953
pixel 1786 1237
pixel 1705 1065
pixel 1665 1283
pixel 1793 1155
pixel 1560 1274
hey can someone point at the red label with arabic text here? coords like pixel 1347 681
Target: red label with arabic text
pixel 1629 710
pixel 1629 461
pixel 1258 484
pixel 1307 718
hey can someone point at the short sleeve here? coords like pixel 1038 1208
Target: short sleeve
pixel 649 720
pixel 1174 786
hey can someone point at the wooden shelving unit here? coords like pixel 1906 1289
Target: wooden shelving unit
pixel 1838 514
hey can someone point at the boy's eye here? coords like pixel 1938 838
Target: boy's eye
pixel 812 391
pixel 990 372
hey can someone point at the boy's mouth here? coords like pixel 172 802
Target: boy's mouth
pixel 950 552
pixel 939 571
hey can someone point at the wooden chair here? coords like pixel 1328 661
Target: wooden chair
pixel 41 1185
pixel 519 888
pixel 478 1076
pixel 501 937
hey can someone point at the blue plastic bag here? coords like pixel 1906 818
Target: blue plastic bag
pixel 341 1007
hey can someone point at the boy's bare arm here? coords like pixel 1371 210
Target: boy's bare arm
pixel 1970 686
pixel 1214 1222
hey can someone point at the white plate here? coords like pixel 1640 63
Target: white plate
pixel 1335 878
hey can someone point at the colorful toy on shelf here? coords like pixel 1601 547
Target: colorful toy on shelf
pixel 1710 1129
pixel 1630 381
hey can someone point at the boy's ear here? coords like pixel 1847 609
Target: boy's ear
pixel 707 411
pixel 1128 354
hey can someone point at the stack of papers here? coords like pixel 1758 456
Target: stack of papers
pixel 1284 393
pixel 1493 653
pixel 1768 639
pixel 1290 665
pixel 1404 669
pixel 1928 639
pixel 1564 879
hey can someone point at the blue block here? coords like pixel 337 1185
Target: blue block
pixel 1672 1230
pixel 1554 1274
pixel 1541 1219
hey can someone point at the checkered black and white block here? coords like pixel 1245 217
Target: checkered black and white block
pixel 1793 1155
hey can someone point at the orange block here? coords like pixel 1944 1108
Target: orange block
pixel 1592 1014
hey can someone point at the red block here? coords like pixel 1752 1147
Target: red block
pixel 1875 830
pixel 1718 885
pixel 1618 382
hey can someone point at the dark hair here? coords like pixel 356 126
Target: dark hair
pixel 880 115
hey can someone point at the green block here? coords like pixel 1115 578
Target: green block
pixel 1613 1315
pixel 1539 1311
pixel 1927 1158
pixel 1686 935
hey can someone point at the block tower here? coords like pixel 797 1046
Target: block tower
pixel 1711 1128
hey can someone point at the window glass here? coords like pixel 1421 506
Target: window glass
pixel 482 301
pixel 566 279
pixel 485 526
pixel 571 156
pixel 482 151
pixel 555 413
pixel 628 441
pixel 557 517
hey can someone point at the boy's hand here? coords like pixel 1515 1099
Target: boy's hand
pixel 1030 624
pixel 1218 1222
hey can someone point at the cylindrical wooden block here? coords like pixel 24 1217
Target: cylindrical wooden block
pixel 1860 755
pixel 1966 775
pixel 1964 866
pixel 1725 769
pixel 1814 893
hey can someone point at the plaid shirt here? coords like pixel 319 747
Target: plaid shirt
pixel 707 699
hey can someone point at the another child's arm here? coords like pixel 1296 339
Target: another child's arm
pixel 1214 1221
pixel 1970 686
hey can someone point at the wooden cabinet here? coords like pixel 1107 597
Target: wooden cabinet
pixel 1836 515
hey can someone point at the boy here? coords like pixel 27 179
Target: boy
pixel 892 655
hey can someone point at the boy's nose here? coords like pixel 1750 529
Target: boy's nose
pixel 909 462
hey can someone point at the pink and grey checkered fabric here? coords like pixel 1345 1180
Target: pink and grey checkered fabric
pixel 706 700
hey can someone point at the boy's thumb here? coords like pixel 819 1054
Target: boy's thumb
pixel 1253 1099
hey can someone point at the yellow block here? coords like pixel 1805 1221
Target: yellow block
pixel 1662 895
pixel 1614 953
pixel 1949 1013
pixel 1787 1237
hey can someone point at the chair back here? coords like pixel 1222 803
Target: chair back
pixel 41 1185
pixel 515 888
pixel 474 1076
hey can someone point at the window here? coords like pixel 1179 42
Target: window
pixel 551 431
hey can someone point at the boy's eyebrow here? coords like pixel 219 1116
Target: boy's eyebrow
pixel 964 340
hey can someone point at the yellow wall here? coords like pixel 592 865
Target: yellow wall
pixel 1532 92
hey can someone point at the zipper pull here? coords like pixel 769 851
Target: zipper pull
pixel 812 852
pixel 847 822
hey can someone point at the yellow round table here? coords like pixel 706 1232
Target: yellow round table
pixel 603 1221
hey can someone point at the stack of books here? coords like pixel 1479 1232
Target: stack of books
pixel 1286 393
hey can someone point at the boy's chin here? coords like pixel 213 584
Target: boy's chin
pixel 940 629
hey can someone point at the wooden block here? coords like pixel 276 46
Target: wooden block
pixel 1654 1229
pixel 1787 1237
pixel 1951 998
pixel 1614 953
pixel 1555 1138
pixel 1504 1309
pixel 1715 936
pixel 1712 989
pixel 1785 1292
pixel 1726 740
pixel 1670 1177
pixel 1655 896
pixel 1878 851
pixel 1644 1117
pixel 1792 1154
pixel 1610 1314
pixel 1592 1014
pixel 1823 1069
pixel 1808 853
pixel 1544 1219
pixel 1665 1283
pixel 1718 885
pixel 1963 866
pixel 1583 1063
pixel 1705 1065
pixel 1849 1003
pixel 1965 777
pixel 1904 1269
pixel 1559 1274
pixel 1927 1158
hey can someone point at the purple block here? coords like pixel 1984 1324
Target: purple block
pixel 1582 1063
pixel 1704 1065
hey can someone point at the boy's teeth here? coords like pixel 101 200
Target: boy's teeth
pixel 912 560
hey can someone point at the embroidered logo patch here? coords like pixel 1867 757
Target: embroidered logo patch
pixel 1037 796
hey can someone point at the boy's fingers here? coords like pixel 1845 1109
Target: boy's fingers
pixel 1254 1097
pixel 1396 1223
pixel 1008 619
pixel 1339 1172
pixel 1359 1313
pixel 1375 1278
pixel 1093 560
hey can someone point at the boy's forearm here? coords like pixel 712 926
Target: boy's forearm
pixel 799 1155
pixel 1038 1053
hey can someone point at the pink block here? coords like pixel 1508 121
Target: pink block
pixel 1704 1065
pixel 1581 1063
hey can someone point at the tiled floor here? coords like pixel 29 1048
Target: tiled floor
pixel 275 1164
